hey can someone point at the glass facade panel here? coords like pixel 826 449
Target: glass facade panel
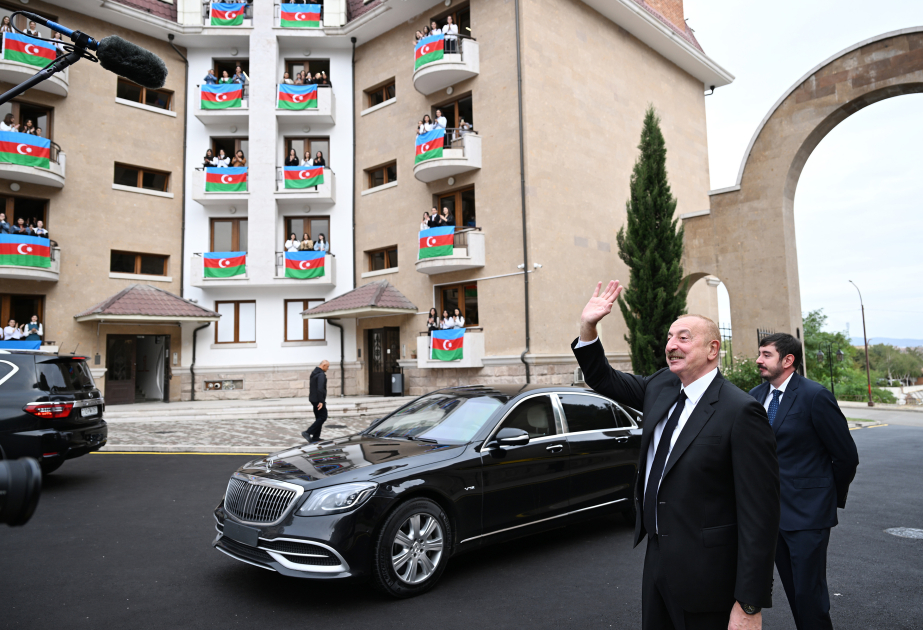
pixel 126 176
pixel 120 262
pixel 247 324
pixel 294 329
pixel 316 327
pixel 226 325
pixel 222 233
pixel 153 265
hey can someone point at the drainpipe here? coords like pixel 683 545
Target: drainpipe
pixel 352 100
pixel 192 366
pixel 342 360
pixel 182 261
pixel 522 192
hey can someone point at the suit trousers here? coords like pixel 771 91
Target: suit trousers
pixel 320 416
pixel 658 609
pixel 801 558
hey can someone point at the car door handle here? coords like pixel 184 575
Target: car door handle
pixel 621 439
pixel 555 448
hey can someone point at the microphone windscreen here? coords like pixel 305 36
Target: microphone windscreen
pixel 132 62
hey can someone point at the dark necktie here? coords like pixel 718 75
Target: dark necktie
pixel 660 460
pixel 774 405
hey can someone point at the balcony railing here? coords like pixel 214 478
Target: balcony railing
pixel 299 108
pixel 19 66
pixel 296 14
pixel 29 258
pixel 296 193
pixel 472 354
pixel 32 159
pixel 216 109
pixel 304 271
pixel 434 71
pixel 206 12
pixel 218 186
pixel 460 153
pixel 469 251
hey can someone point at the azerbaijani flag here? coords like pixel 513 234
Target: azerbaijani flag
pixel 429 145
pixel 25 251
pixel 25 149
pixel 304 265
pixel 227 13
pixel 300 15
pixel 303 176
pixel 430 48
pixel 222 96
pixel 297 96
pixel 448 345
pixel 229 179
pixel 225 264
pixel 28 50
pixel 436 242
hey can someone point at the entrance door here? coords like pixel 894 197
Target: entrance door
pixel 384 346
pixel 121 355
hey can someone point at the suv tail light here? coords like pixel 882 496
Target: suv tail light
pixel 49 409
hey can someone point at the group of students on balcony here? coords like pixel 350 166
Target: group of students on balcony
pixel 446 322
pixel 427 124
pixel 433 219
pixel 32 227
pixel 306 244
pixel 450 30
pixel 239 76
pixel 318 159
pixel 303 77
pixel 222 160
pixel 24 332
pixel 9 124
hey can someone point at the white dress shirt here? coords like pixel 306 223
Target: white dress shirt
pixel 773 388
pixel 441 122
pixel 11 332
pixel 450 31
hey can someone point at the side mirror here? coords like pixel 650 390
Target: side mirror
pixel 509 437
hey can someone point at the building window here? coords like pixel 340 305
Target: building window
pixel 381 259
pixel 231 146
pixel 312 226
pixel 380 94
pixel 299 329
pixel 310 68
pixel 460 15
pixel 137 177
pixel 230 66
pixel 381 175
pixel 31 210
pixel 131 262
pixel 22 22
pixel 40 116
pixel 455 111
pixel 229 235
pixel 22 308
pixel 130 91
pixel 461 205
pixel 309 147
pixel 463 297
pixel 237 323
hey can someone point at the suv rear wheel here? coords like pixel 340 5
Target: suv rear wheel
pixel 412 549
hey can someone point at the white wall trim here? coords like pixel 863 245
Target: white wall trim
pixel 142 191
pixel 369 191
pixel 697 213
pixel 139 277
pixel 230 346
pixel 147 108
pixel 290 344
pixel 381 272
pixel 375 108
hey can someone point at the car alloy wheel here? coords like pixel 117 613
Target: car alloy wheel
pixel 417 548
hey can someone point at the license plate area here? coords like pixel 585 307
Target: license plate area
pixel 88 411
pixel 249 536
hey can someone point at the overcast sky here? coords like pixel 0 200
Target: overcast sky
pixel 859 202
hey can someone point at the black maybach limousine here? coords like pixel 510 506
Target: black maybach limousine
pixel 448 472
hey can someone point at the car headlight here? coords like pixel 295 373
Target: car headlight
pixel 335 499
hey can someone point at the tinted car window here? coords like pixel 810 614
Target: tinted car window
pixel 534 416
pixel 587 413
pixel 65 376
pixel 442 417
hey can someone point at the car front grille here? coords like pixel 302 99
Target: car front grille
pixel 302 553
pixel 256 503
pixel 244 552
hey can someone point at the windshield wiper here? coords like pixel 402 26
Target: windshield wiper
pixel 422 439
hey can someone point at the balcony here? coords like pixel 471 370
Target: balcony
pixel 324 113
pixel 244 28
pixel 451 69
pixel 238 114
pixel 472 355
pixel 198 279
pixel 468 252
pixel 216 197
pixel 23 264
pixel 41 161
pixel 327 281
pixel 15 72
pixel 461 154
pixel 324 194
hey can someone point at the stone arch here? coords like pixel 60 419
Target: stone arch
pixel 747 237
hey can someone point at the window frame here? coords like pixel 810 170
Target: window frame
pixel 141 171
pixel 235 232
pixel 169 94
pixel 306 330
pixel 558 430
pixel 8 207
pixel 15 110
pixel 310 139
pixel 461 303
pixel 386 251
pixel 453 103
pixel 380 90
pixel 310 217
pixel 289 66
pixel 608 404
pixel 370 172
pixel 457 194
pixel 137 269
pixel 236 304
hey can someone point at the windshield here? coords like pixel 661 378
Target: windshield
pixel 443 417
pixel 65 376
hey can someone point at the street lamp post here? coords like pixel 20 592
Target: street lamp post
pixel 868 374
pixel 839 357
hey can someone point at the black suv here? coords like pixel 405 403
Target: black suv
pixel 50 408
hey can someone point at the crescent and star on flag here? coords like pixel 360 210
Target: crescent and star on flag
pixel 24 253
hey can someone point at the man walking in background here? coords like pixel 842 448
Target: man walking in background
pixel 317 395
pixel 817 462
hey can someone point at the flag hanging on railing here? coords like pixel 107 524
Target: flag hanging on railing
pixel 303 176
pixel 300 16
pixel 429 145
pixel 25 251
pixel 25 149
pixel 222 96
pixel 230 179
pixel 297 96
pixel 227 13
pixel 304 265
pixel 224 264
pixel 448 345
pixel 28 50
pixel 430 48
pixel 436 242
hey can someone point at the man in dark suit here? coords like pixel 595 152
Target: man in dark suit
pixel 817 462
pixel 317 396
pixel 707 490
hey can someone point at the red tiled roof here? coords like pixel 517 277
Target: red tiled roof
pixel 143 300
pixel 685 32
pixel 369 296
pixel 356 8
pixel 156 8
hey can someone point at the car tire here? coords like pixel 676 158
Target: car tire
pixel 49 467
pixel 412 549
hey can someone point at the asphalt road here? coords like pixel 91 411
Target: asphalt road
pixel 881 414
pixel 123 541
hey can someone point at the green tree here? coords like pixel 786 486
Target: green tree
pixel 743 373
pixel 891 365
pixel 652 247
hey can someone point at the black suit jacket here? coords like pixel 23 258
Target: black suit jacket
pixel 817 455
pixel 718 513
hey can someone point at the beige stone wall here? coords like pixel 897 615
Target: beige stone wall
pixel 87 217
pixel 269 383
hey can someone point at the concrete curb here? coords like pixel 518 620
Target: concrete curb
pixel 859 425
pixel 186 448
pixel 884 406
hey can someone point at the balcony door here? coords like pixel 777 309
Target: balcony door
pixel 229 235
pixel 231 146
pixel 22 308
pixel 31 210
pixel 384 347
pixel 121 369
pixel 461 204
pixel 304 145
pixel 463 297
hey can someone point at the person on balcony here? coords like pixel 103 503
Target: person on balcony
pixel 240 76
pixel 287 80
pixel 426 125
pixel 39 229
pixel 425 224
pixel 447 217
pixel 39 133
pixel 319 159
pixel 58 41
pixel 210 78
pixel 32 31
pixel 307 160
pixel 322 80
pixel 458 319
pixel 416 37
pixel 434 28
pixel 307 244
pixel 321 245
pixel 33 330
pixel 450 30
pixel 434 219
pixel 221 160
pixel 4 226
pixel 239 159
pixel 12 331
pixel 225 78
pixel 299 78
pixel 426 31
pixel 6 26
pixel 292 244
pixel 447 322
pixel 21 229
pixel 9 123
pixel 441 123
pixel 29 128
pixel 209 159
pixel 292 159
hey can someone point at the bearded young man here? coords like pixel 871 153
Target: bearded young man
pixel 817 462
pixel 707 490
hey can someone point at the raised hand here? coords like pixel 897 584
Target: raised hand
pixel 598 307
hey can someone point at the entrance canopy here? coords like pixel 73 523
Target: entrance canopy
pixel 375 299
pixel 143 303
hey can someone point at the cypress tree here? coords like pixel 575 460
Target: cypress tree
pixel 652 247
